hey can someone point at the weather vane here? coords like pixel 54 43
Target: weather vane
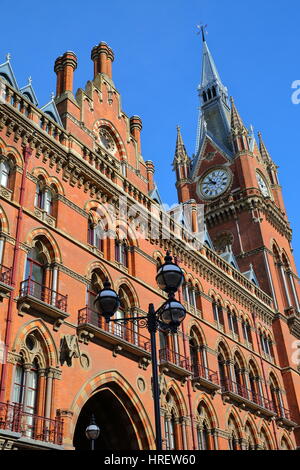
pixel 202 29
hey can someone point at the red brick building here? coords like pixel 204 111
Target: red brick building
pixel 230 378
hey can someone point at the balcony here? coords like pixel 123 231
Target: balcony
pixel 123 338
pixel 29 431
pixel 204 378
pixel 174 364
pixel 285 418
pixel 5 281
pixel 247 398
pixel 36 298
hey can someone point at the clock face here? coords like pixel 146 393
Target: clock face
pixel 214 183
pixel 106 140
pixel 262 185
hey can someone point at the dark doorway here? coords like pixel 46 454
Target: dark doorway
pixel 111 415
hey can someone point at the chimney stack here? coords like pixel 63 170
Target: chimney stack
pixel 135 129
pixel 150 174
pixel 64 68
pixel 103 57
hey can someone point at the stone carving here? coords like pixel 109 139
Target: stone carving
pixel 69 349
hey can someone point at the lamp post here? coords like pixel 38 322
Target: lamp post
pixel 168 318
pixel 92 432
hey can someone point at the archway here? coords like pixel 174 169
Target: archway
pixel 112 410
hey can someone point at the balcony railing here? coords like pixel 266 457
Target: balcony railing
pixel 13 418
pixel 247 394
pixel 202 372
pixel 5 275
pixel 285 414
pixel 120 330
pixel 173 357
pixel 43 293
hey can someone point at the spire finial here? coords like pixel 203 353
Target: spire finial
pixel 202 29
pixel 29 80
pixel 8 56
pixel 52 96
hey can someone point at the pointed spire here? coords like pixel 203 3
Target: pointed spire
pixel 263 149
pixel 180 151
pixel 210 73
pixel 237 124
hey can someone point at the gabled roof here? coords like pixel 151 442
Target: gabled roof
pixel 7 73
pixel 51 109
pixel 251 275
pixel 154 194
pixel 230 258
pixel 207 137
pixel 28 90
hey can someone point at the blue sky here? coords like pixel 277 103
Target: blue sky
pixel 157 68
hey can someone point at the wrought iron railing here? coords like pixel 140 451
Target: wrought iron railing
pixel 14 418
pixel 41 292
pixel 199 371
pixel 239 389
pixel 128 332
pixel 5 274
pixel 173 357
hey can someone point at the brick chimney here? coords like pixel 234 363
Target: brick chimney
pixel 135 129
pixel 150 173
pixel 64 68
pixel 103 57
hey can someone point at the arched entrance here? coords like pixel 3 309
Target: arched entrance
pixel 113 414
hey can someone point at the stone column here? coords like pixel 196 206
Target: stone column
pixel 293 289
pixel 183 433
pixel 1 249
pixel 285 284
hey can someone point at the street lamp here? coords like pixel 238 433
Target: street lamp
pixel 92 432
pixel 168 318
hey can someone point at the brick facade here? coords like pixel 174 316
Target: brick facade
pixel 229 379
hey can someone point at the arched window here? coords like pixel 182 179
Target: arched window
pixel 234 435
pixel 41 277
pixel 35 271
pixel 204 427
pixel 233 322
pixel 96 234
pixel 197 354
pixel 121 251
pixel 265 442
pixel 214 91
pixel 218 313
pixel 45 197
pixel 247 331
pixel 223 367
pixel 276 396
pixel 284 444
pixel 239 371
pixel 250 437
pixel 209 94
pixel 171 422
pixel 204 96
pixel 5 171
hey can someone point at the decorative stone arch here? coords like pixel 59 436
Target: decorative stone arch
pixel 210 408
pixel 248 421
pixel 285 436
pixel 40 326
pixel 4 225
pixel 102 212
pixel 252 360
pixel 175 391
pixel 237 352
pixel 96 265
pixel 45 235
pixel 128 233
pixel 126 282
pixel 232 413
pixel 115 134
pixel 199 285
pixel 7 150
pixel 264 429
pixel 194 325
pixel 134 406
pixel 52 180
pixel 221 340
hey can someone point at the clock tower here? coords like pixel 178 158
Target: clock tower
pixel 235 178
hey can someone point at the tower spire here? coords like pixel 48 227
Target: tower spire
pixel 239 132
pixel 215 110
pixel 181 155
pixel 263 149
